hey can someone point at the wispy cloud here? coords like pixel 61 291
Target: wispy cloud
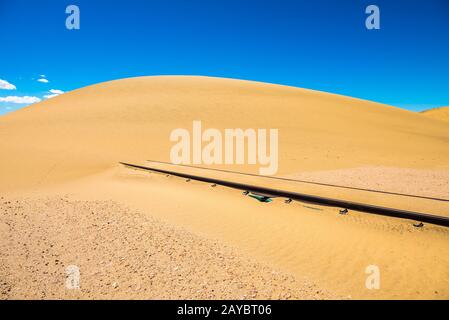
pixel 20 100
pixel 43 78
pixel 54 93
pixel 5 85
pixel 49 96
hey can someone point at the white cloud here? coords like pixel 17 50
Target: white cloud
pixel 49 96
pixel 20 100
pixel 5 85
pixel 54 93
pixel 43 80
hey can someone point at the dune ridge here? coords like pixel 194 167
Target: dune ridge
pixel 441 113
pixel 93 128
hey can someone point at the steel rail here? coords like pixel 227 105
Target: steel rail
pixel 384 211
pixel 305 181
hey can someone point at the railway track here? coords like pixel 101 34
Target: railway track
pixel 305 181
pixel 367 208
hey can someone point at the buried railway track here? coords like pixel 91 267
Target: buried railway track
pixel 362 207
pixel 305 181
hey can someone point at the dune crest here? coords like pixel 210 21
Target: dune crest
pixel 91 129
pixel 441 113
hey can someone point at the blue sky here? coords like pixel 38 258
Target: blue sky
pixel 321 44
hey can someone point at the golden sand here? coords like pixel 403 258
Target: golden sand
pixel 70 146
pixel 438 113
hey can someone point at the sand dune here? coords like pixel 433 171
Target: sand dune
pixel 72 144
pixel 91 129
pixel 438 113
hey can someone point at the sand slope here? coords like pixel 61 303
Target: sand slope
pixel 69 147
pixel 438 113
pixel 91 129
pixel 135 257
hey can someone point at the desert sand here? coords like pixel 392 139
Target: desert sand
pixel 66 200
pixel 438 113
